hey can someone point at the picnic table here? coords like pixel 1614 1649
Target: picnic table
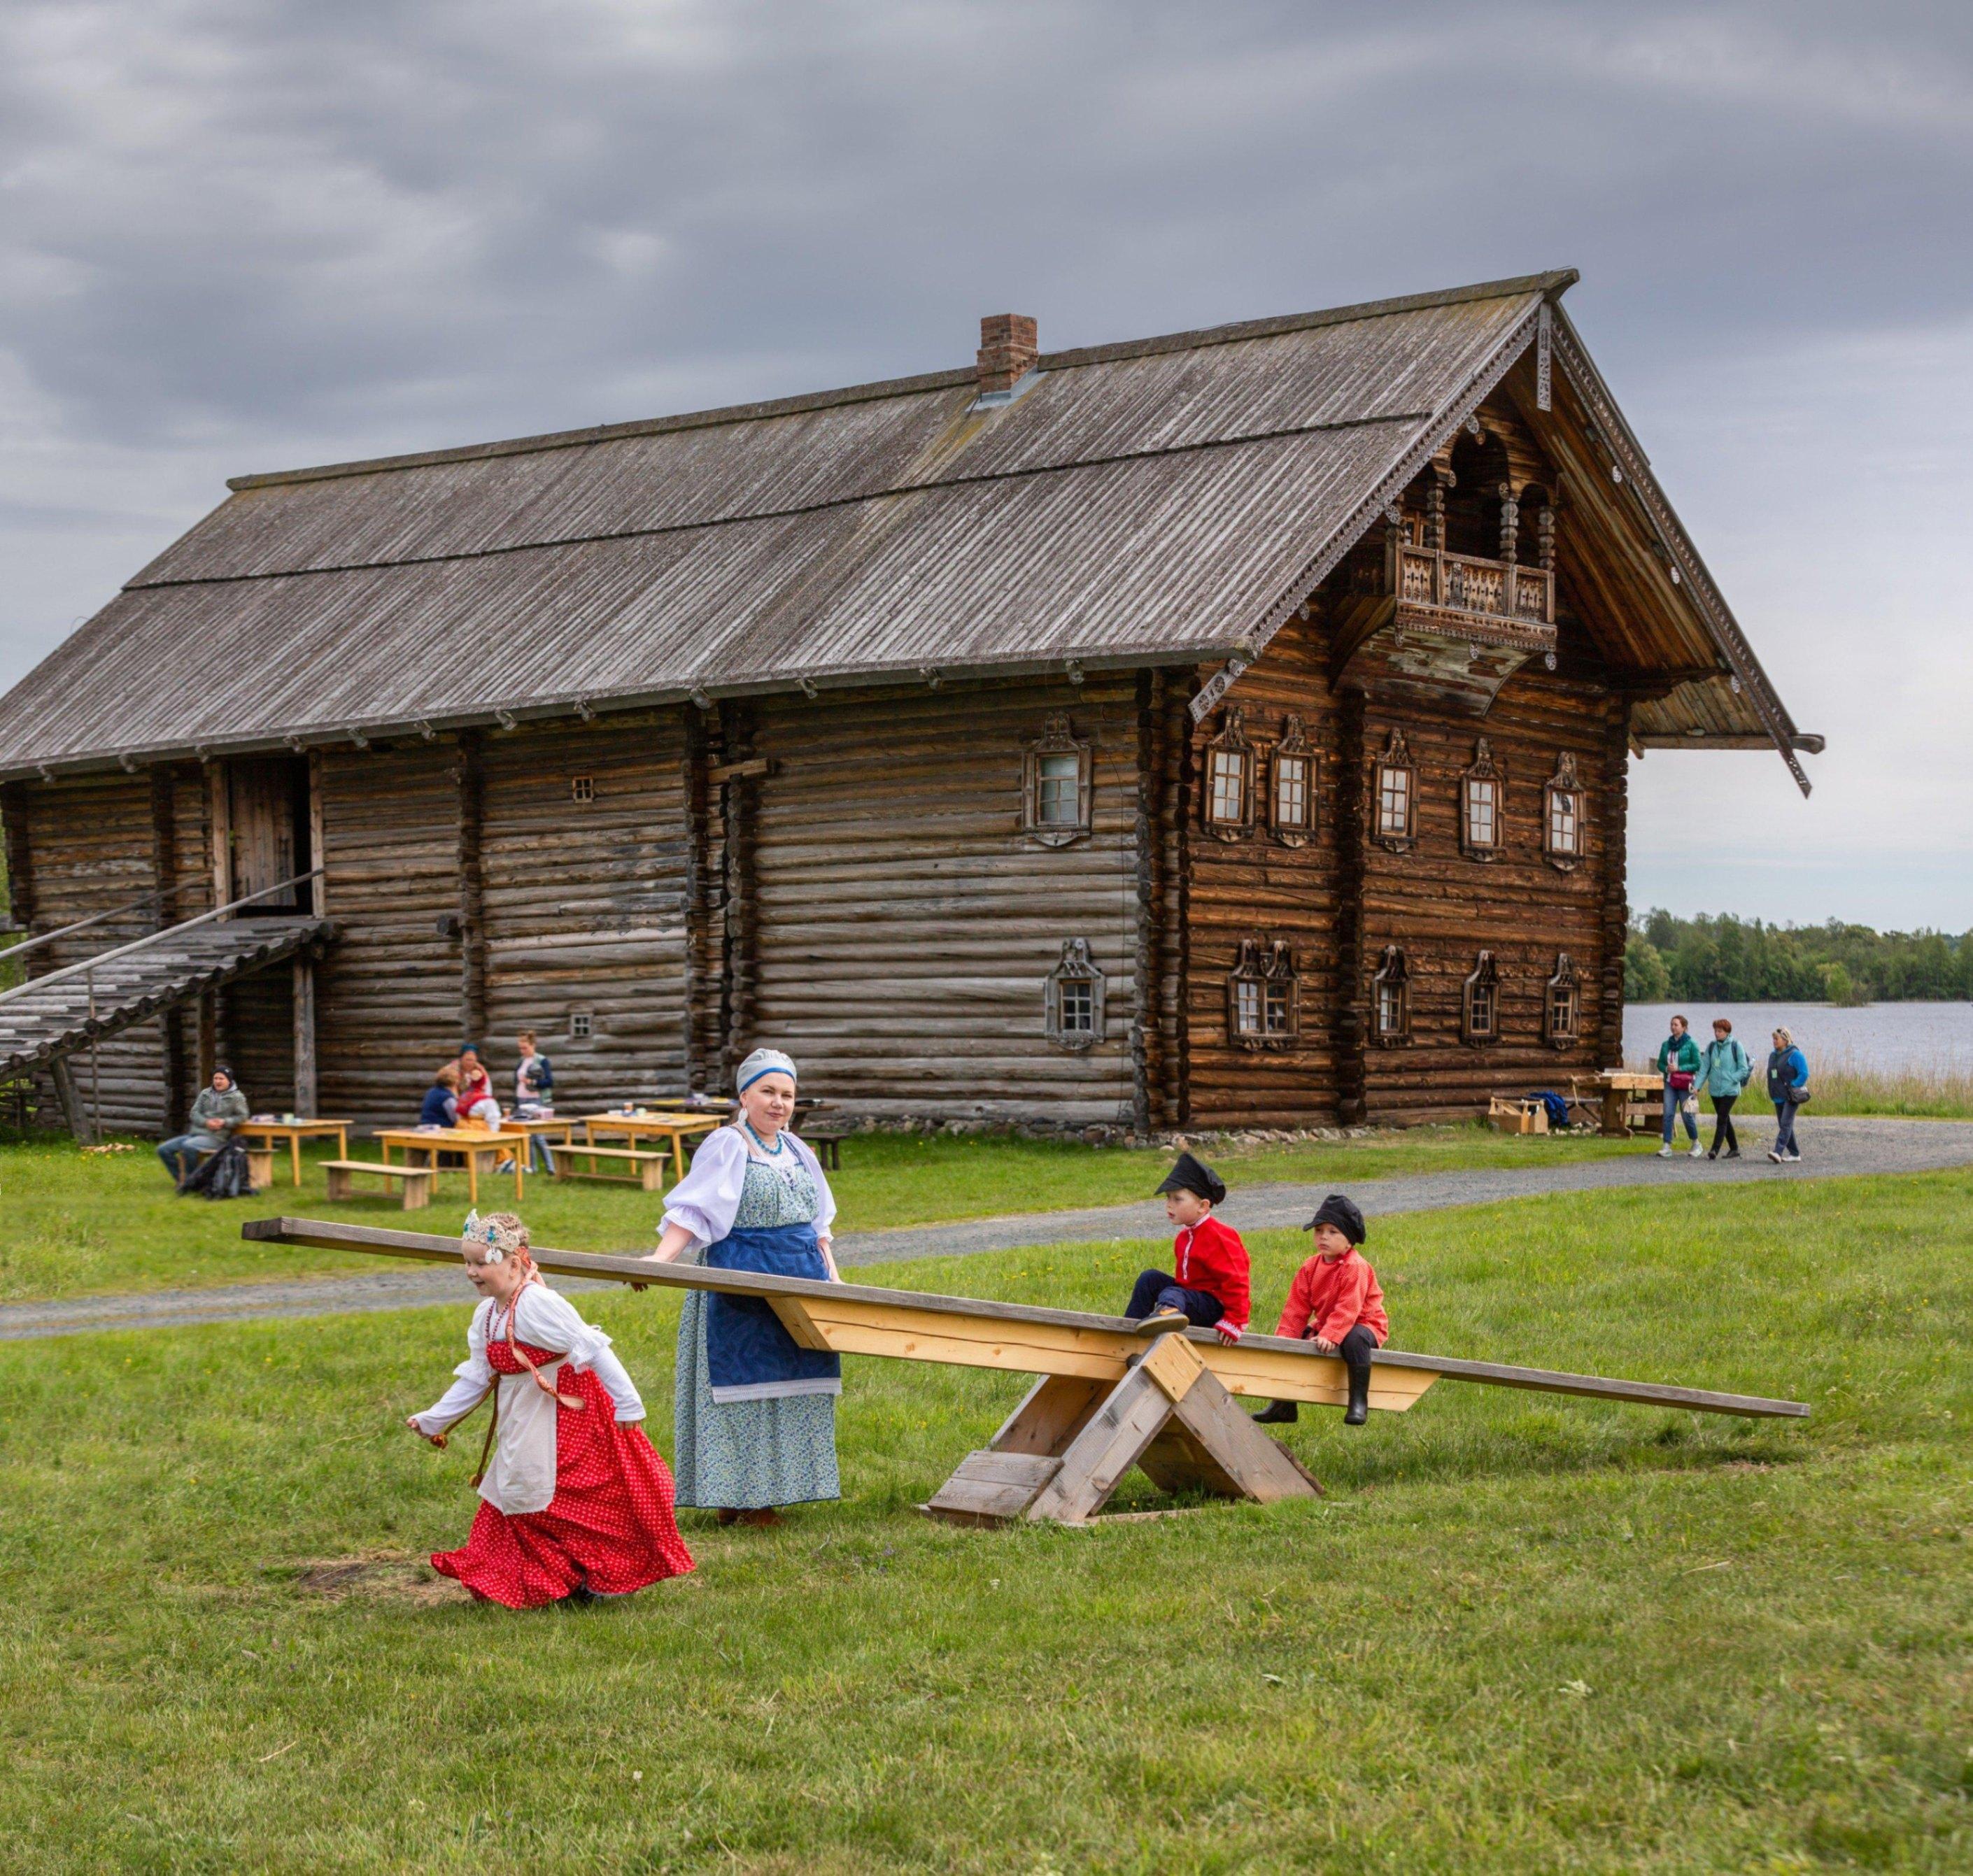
pixel 673 1127
pixel 1632 1101
pixel 470 1142
pixel 267 1132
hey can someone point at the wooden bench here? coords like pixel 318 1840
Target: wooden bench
pixel 1107 1399
pixel 418 1181
pixel 645 1167
pixel 260 1168
pixel 824 1139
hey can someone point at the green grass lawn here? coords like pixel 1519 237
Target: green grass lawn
pixel 78 1223
pixel 1520 1634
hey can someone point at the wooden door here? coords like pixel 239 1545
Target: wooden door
pixel 261 808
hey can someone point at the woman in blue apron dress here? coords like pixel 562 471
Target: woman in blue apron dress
pixel 755 1412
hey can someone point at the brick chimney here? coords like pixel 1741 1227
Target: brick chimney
pixel 1008 347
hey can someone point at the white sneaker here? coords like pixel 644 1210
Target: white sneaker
pixel 1664 1152
pixel 1697 1152
pixel 1775 1157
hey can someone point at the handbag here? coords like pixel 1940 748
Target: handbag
pixel 1797 1095
pixel 1679 1082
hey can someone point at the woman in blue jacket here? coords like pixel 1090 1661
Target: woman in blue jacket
pixel 1788 1088
pixel 1724 1070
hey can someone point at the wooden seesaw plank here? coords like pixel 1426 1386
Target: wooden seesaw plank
pixel 858 1318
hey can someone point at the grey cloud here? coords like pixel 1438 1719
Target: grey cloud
pixel 243 233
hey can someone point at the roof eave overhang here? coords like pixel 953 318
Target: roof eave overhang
pixel 584 706
pixel 1698 591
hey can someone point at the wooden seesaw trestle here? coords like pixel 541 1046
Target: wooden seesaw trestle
pixel 1107 1399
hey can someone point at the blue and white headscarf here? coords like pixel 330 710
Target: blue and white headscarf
pixel 762 1062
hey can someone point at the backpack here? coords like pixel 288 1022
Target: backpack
pixel 1556 1108
pixel 223 1175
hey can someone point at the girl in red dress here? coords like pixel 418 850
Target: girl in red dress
pixel 577 1503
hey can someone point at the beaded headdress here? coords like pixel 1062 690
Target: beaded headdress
pixel 497 1236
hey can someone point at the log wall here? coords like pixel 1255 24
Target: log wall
pixel 584 907
pixel 904 925
pixel 870 901
pixel 387 994
pixel 1340 899
pixel 1253 887
pixel 91 841
pixel 1443 908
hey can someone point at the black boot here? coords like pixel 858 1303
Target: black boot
pixel 1359 1408
pixel 1279 1414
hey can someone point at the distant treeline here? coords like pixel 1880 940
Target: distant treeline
pixel 1729 960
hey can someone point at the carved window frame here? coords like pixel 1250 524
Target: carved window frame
pixel 1396 835
pixel 1058 739
pixel 1076 970
pixel 1561 1005
pixel 1564 803
pixel 1291 754
pixel 1483 774
pixel 1479 1004
pixel 1228 753
pixel 1264 996
pixel 1391 999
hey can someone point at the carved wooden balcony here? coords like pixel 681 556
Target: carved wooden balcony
pixel 1461 592
pixel 1451 628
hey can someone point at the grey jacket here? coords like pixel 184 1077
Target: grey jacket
pixel 217 1114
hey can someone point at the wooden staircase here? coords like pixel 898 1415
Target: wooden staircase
pixel 46 1019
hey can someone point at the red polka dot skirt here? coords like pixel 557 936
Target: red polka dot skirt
pixel 610 1528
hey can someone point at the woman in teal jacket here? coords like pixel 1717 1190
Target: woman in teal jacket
pixel 1724 1070
pixel 1678 1062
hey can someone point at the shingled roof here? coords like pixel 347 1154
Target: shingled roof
pixel 1169 500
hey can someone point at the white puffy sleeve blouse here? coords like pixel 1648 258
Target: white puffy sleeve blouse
pixel 543 1319
pixel 707 1200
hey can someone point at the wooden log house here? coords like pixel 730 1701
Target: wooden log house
pixel 1227 728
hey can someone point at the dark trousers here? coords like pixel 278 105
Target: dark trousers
pixel 182 1152
pixel 1159 1289
pixel 1785 1114
pixel 1356 1349
pixel 1723 1123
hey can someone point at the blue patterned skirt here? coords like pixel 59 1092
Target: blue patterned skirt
pixel 750 1454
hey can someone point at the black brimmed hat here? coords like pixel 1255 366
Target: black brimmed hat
pixel 1194 1175
pixel 1343 1214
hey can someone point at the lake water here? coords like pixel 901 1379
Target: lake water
pixel 1932 1038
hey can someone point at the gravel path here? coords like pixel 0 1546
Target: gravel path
pixel 1835 1149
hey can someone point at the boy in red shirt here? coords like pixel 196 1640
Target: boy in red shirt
pixel 1209 1287
pixel 1334 1302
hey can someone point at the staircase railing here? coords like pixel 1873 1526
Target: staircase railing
pixel 89 967
pixel 87 970
pixel 35 943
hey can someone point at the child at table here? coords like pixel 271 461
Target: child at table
pixel 1335 1302
pixel 1208 1284
pixel 441 1101
pixel 476 1090
pixel 576 1502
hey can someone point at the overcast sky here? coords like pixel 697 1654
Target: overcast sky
pixel 248 234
